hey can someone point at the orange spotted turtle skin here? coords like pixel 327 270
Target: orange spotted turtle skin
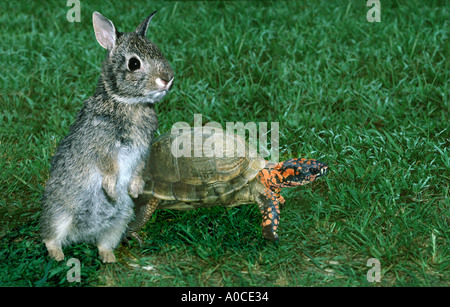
pixel 290 173
pixel 183 183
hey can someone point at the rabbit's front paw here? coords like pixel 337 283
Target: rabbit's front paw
pixel 136 186
pixel 109 186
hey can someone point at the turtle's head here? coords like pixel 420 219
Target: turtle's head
pixel 293 173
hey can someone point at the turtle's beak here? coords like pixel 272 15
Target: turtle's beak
pixel 318 169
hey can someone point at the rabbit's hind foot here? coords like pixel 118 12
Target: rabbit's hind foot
pixel 54 250
pixel 107 255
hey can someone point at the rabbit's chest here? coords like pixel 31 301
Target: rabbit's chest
pixel 127 159
pixel 136 128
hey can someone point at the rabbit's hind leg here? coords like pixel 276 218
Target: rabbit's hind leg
pixel 108 241
pixel 53 239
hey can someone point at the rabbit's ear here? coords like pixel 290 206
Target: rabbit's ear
pixel 104 29
pixel 142 28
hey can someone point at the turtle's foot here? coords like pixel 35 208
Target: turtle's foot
pixel 138 238
pixel 134 235
pixel 269 230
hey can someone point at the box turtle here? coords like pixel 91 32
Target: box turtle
pixel 217 169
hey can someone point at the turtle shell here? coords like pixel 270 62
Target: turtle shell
pixel 204 165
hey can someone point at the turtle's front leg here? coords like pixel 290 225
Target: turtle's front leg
pixel 143 210
pixel 270 210
pixel 280 198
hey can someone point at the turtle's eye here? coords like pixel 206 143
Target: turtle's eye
pixel 134 64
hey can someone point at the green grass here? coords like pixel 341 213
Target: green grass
pixel 369 99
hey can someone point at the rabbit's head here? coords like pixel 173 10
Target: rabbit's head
pixel 135 70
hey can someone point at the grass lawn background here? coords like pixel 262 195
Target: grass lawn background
pixel 369 99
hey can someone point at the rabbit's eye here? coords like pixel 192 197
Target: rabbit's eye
pixel 134 64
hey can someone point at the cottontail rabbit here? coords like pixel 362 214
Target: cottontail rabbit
pixel 98 165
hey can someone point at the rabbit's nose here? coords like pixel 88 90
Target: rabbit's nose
pixel 164 84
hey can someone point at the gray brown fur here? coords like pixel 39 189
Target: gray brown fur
pixel 98 165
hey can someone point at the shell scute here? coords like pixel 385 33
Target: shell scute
pixel 205 178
